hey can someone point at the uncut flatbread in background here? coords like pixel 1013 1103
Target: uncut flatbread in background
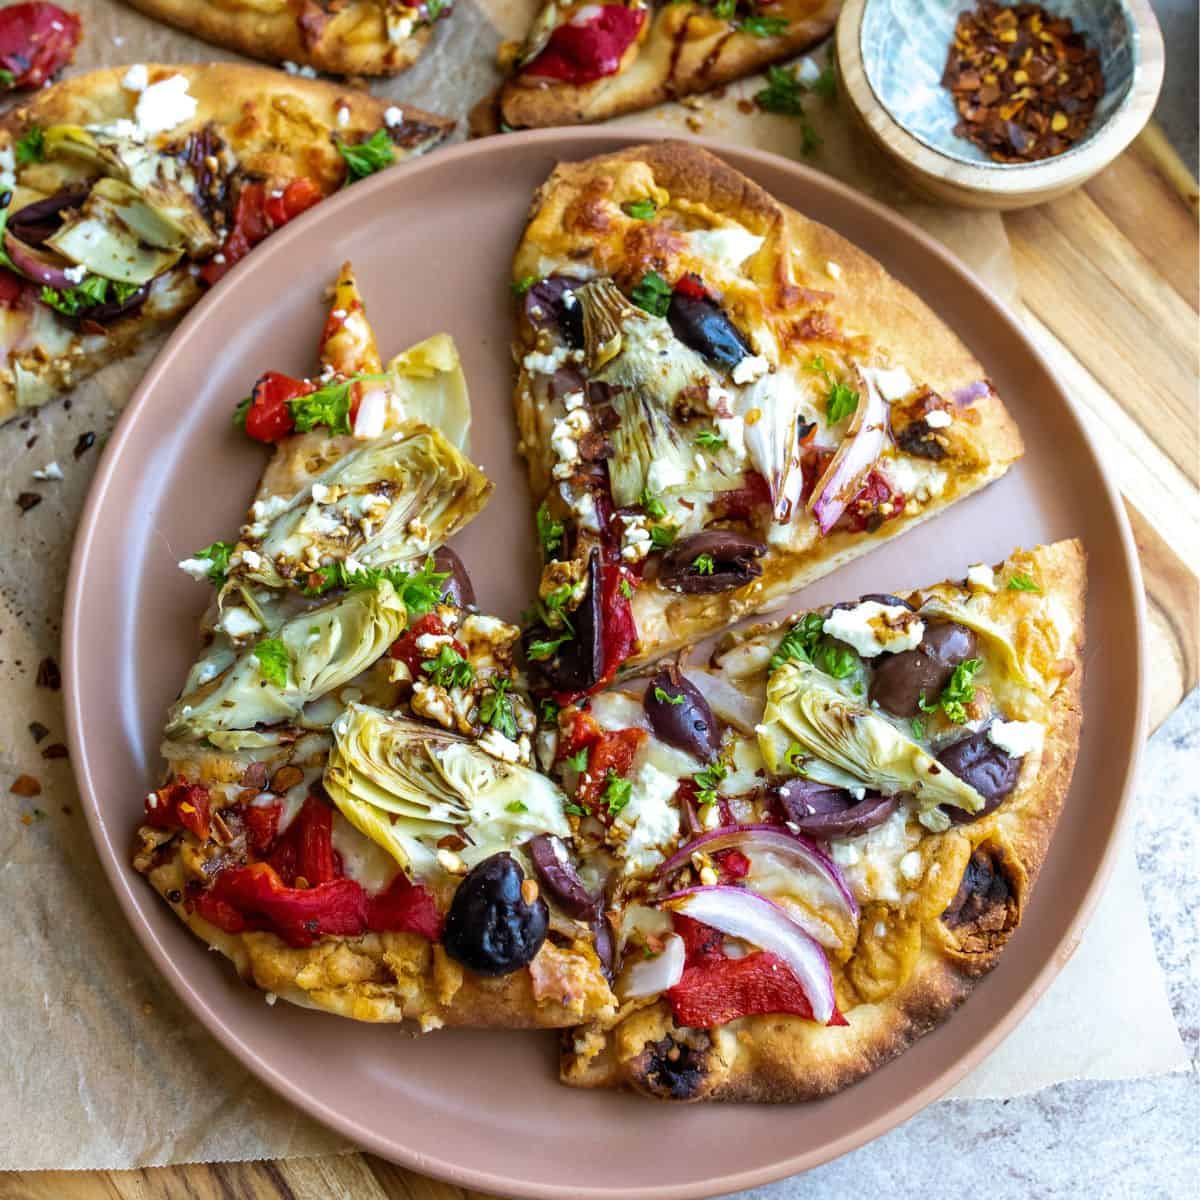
pixel 719 401
pixel 819 841
pixel 124 181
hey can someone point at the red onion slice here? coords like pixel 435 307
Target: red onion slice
pixel 864 442
pixel 34 265
pixel 653 976
pixel 559 877
pixel 739 913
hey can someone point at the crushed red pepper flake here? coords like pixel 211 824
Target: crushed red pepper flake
pixel 1025 82
pixel 25 785
pixel 55 750
pixel 28 500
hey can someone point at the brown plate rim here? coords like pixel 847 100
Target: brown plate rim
pixel 434 1160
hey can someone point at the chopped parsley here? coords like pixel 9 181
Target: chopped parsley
pixel 957 694
pixel 31 146
pixel 783 95
pixel 800 642
pixel 92 291
pixel 639 210
pixel 367 157
pixel 542 648
pixel 433 10
pixel 521 286
pixel 708 439
pixel 7 79
pixel 834 658
pixel 764 27
pixel 550 710
pixel 1022 583
pixel 664 697
pixel 240 413
pixel 707 782
pixel 625 588
pixel 653 507
pixel 725 10
pixel 218 559
pixel 329 406
pixel 825 84
pixel 496 710
pixel 579 760
pixel 841 399
pixel 549 531
pixel 449 669
pixel 918 728
pixel 419 590
pixel 793 755
pixel 516 806
pixel 662 536
pixel 617 792
pixel 576 810
pixel 653 294
pixel 704 564
pixel 274 661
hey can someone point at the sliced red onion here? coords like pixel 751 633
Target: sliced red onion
pixel 559 877
pixel 979 390
pixel 728 702
pixel 743 914
pixel 864 442
pixel 34 223
pixel 750 838
pixel 653 976
pixel 33 264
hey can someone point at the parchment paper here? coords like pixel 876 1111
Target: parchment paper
pixel 100 1065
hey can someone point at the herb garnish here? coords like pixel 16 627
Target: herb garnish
pixel 625 588
pixel 449 669
pixel 708 779
pixel 653 507
pixel 617 792
pixel 218 558
pixel 664 697
pixel 274 661
pixel 30 146
pixel 579 760
pixel 367 157
pixel 520 286
pixel 419 590
pixel 653 294
pixel 704 564
pixel 91 291
pixel 763 27
pixel 516 806
pixel 542 648
pixel 1022 583
pixel 640 210
pixel 799 642
pixel 957 694
pixel 783 95
pixel 707 439
pixel 496 710
pixel 841 399
pixel 550 710
pixel 662 536
pixel 549 531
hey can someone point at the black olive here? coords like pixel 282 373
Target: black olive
pixel 577 664
pixel 715 560
pixel 551 304
pixel 900 680
pixel 559 877
pixel 702 325
pixel 918 439
pixel 822 811
pixel 985 767
pixel 457 589
pixel 489 928
pixel 40 220
pixel 682 718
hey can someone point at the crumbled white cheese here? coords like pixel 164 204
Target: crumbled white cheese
pixel 8 169
pixel 76 274
pixel 915 478
pixel 401 29
pixel 573 400
pixel 752 367
pixel 305 71
pixel 343 116
pixel 664 473
pixel 635 539
pixel 270 507
pixel 845 854
pixel 136 78
pixel 1017 738
pixel 733 430
pixel 477 625
pixel 728 246
pixel 430 643
pixel 910 865
pixel 583 505
pixel 164 105
pixel 939 418
pixel 650 819
pixel 50 471
pixel 982 576
pixel 546 364
pixel 320 492
pixel 873 628
pixel 393 116
pixel 197 568
pixel 239 622
pixel 894 383
pixel 432 702
pixel 498 746
pixel 564 440
pixel 252 559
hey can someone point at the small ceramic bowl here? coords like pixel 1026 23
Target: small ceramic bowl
pixel 891 54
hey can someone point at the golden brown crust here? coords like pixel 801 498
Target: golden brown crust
pixel 960 936
pixel 685 49
pixel 351 41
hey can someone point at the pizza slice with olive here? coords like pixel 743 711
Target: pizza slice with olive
pixel 719 401
pixel 342 37
pixel 125 193
pixel 587 62
pixel 349 811
pixel 813 844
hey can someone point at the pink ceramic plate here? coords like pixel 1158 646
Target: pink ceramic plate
pixel 431 242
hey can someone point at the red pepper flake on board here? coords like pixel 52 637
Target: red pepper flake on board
pixel 1025 83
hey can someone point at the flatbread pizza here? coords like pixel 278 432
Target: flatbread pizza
pixel 816 843
pixel 719 401
pixel 126 192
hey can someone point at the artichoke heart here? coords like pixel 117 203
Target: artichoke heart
pixel 805 709
pixel 406 786
pixel 390 501
pixel 647 368
pixel 325 647
pixel 428 384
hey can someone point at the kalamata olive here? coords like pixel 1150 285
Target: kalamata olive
pixel 34 223
pixel 578 664
pixel 714 560
pixel 900 680
pixel 559 877
pixel 702 325
pixel 112 310
pixel 987 768
pixel 821 811
pixel 490 928
pixel 457 589
pixel 680 715
pixel 917 438
pixel 603 942
pixel 551 304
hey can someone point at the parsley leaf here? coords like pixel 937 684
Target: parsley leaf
pixel 274 661
pixel 825 84
pixel 449 669
pixel 520 286
pixel 91 291
pixel 550 710
pixel 579 760
pixel 7 79
pixel 707 780
pixel 367 157
pixel 918 727
pixel 218 557
pixel 724 10
pixel 240 413
pixel 31 146
pixel 841 400
pixel 496 710
pixel 1022 583
pixel 835 659
pixel 433 10
pixel 653 507
pixel 957 694
pixel 576 810
pixel 704 564
pixel 640 210
pixel 800 641
pixel 549 531
pixel 664 697
pixel 782 93
pixel 516 806
pixel 625 588
pixel 420 590
pixel 662 536
pixel 617 792
pixel 328 406
pixel 707 439
pixel 542 648
pixel 653 294
pixel 763 27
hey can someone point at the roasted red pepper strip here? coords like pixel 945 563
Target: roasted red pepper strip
pixel 741 503
pixel 305 850
pixel 592 50
pixel 180 805
pixel 262 825
pixel 614 751
pixel 405 907
pixel 620 632
pixel 404 648
pixel 36 42
pixel 692 286
pixel 268 419
pixel 873 505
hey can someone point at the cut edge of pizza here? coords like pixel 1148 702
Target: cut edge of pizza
pixel 719 401
pixel 588 62
pixel 361 37
pixel 873 790
pixel 349 787
pixel 134 188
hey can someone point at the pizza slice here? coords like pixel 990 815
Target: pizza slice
pixel 342 37
pixel 814 844
pixel 588 62
pixel 719 401
pixel 126 192
pixel 349 811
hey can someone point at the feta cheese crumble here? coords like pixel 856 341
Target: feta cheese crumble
pixel 981 576
pixel 873 628
pixel 51 471
pixel 939 418
pixel 164 105
pixel 1017 738
pixel 752 367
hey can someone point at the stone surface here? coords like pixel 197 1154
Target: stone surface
pixel 1133 1138
pixel 1176 110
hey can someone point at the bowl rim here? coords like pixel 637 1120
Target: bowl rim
pixel 1064 170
